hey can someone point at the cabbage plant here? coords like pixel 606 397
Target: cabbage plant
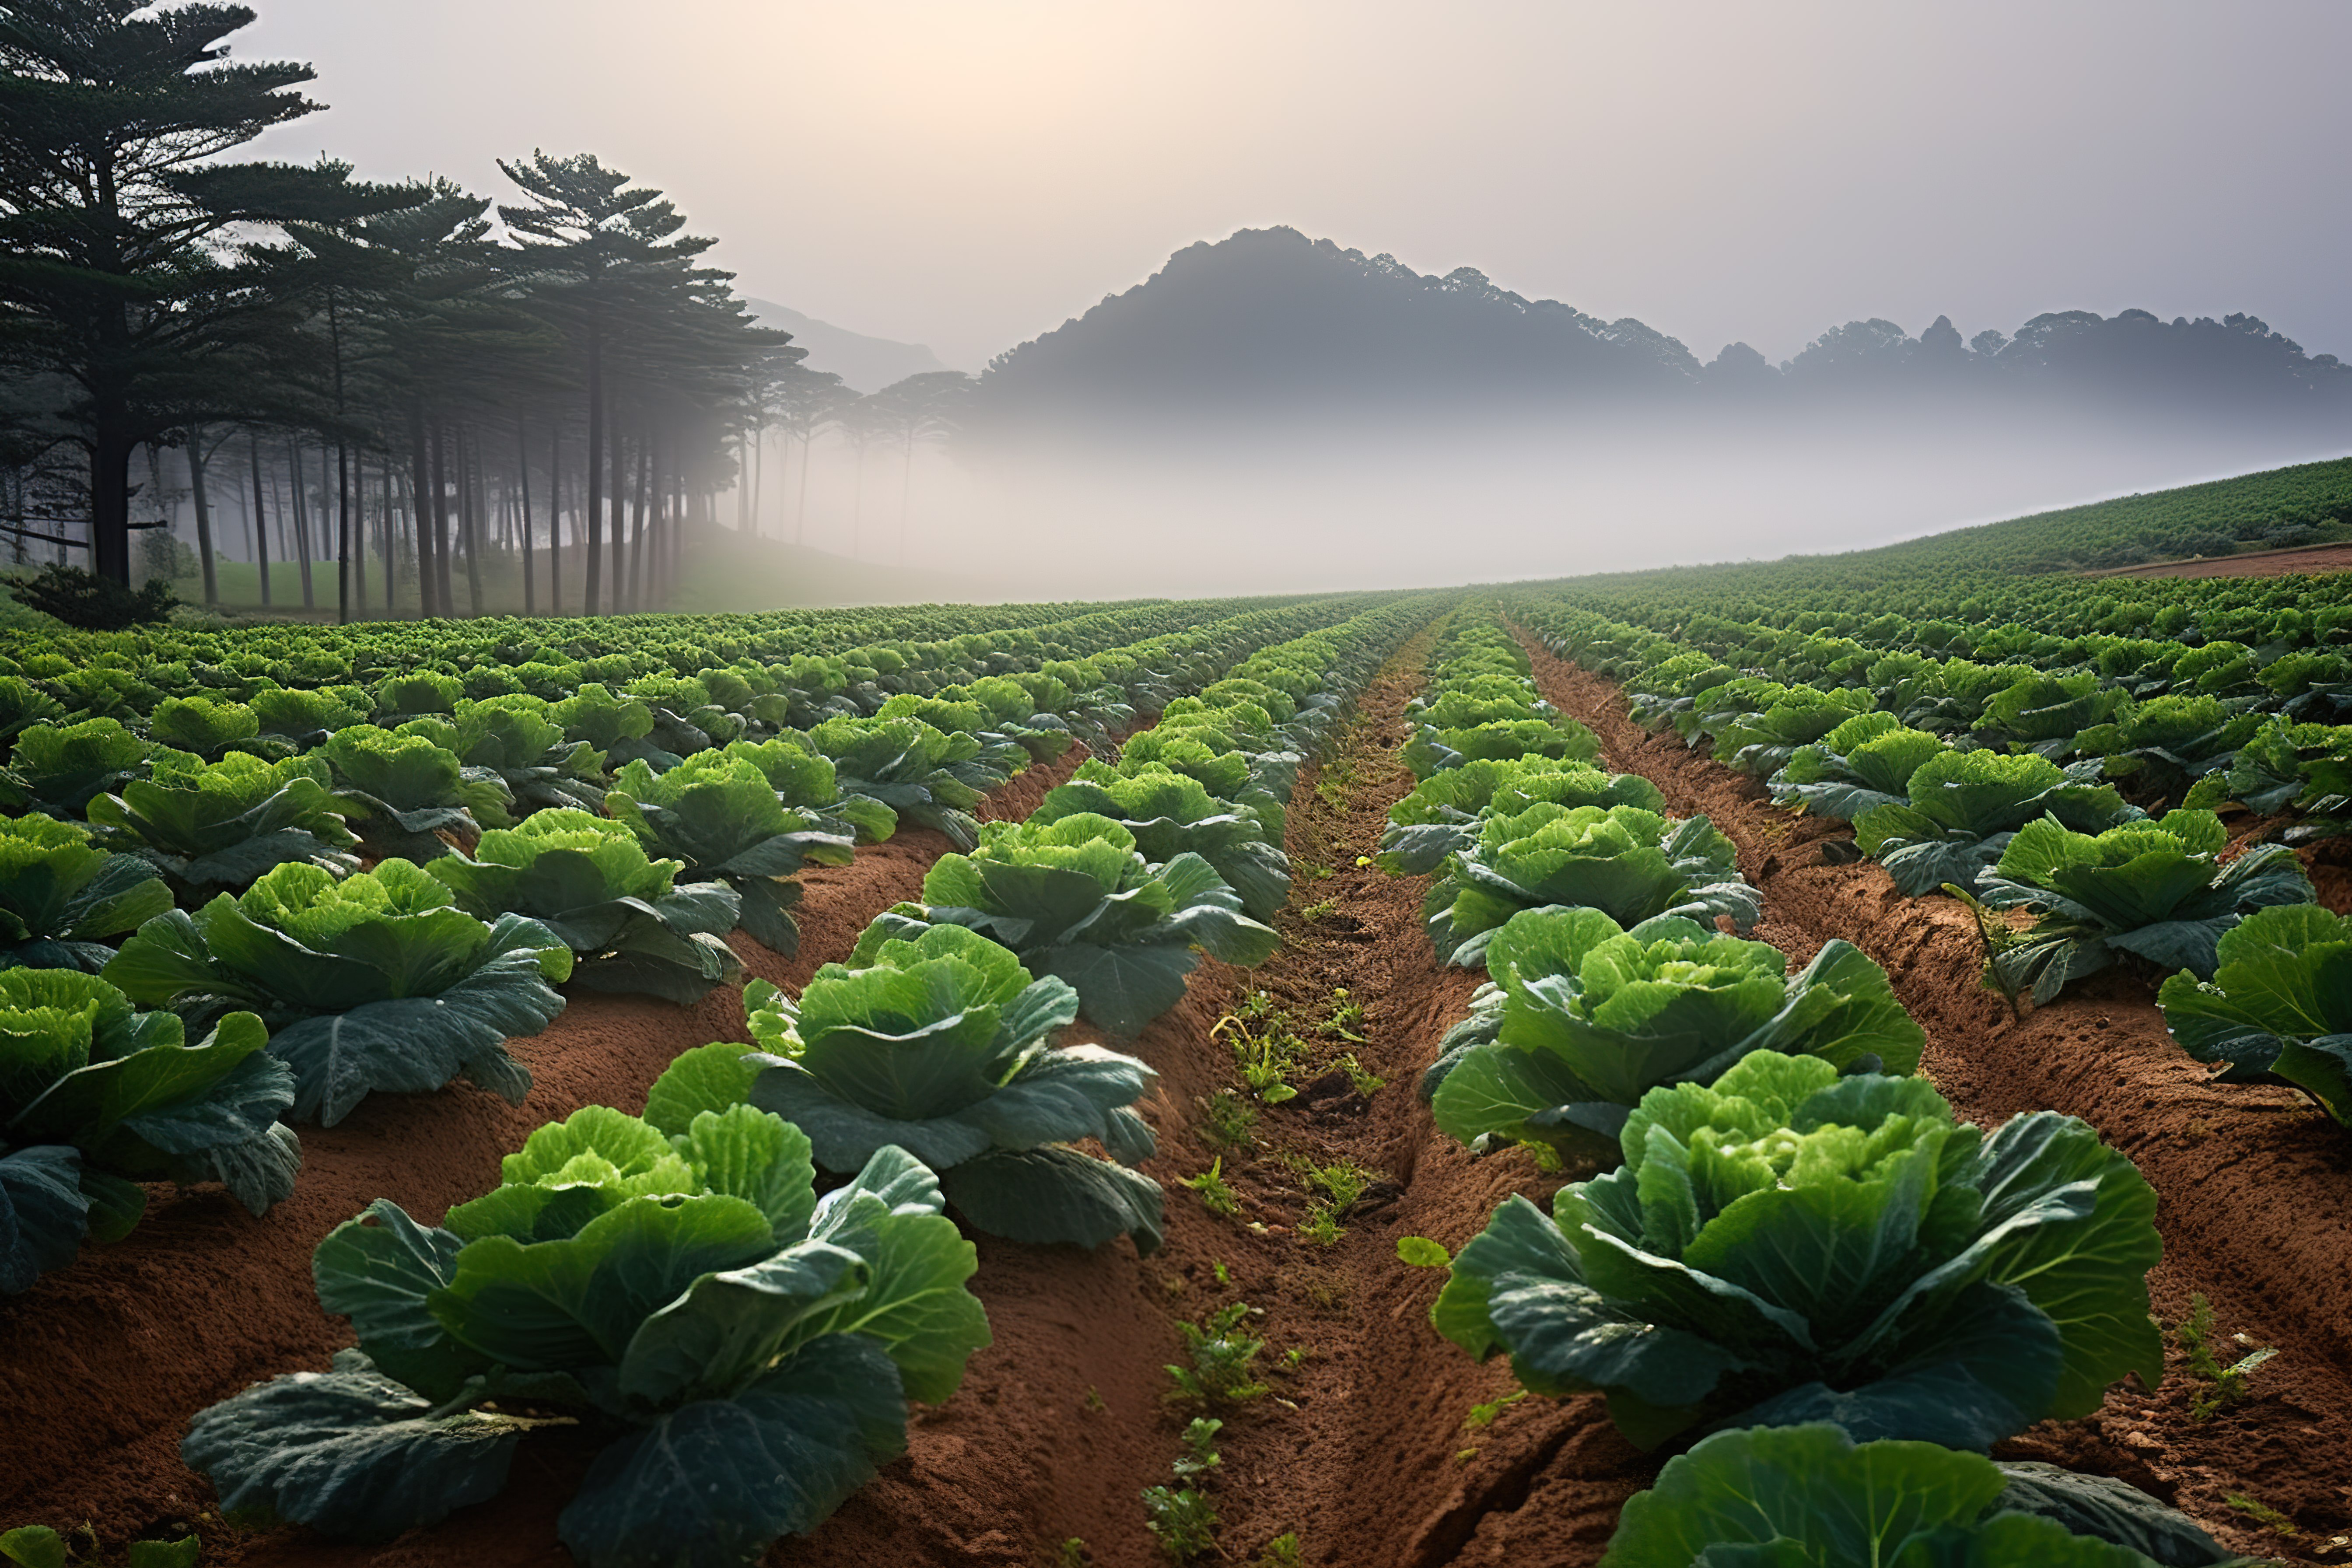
pixel 943 1048
pixel 2166 745
pixel 1443 812
pixel 915 772
pixel 587 879
pixel 1170 814
pixel 2278 1007
pixel 1593 1016
pixel 60 898
pixel 2158 890
pixel 409 796
pixel 1073 898
pixel 97 1096
pixel 221 824
pixel 745 1348
pixel 60 768
pixel 1866 762
pixel 1798 1497
pixel 721 820
pixel 517 740
pixel 374 983
pixel 1562 738
pixel 1963 808
pixel 1762 742
pixel 1786 1245
pixel 1629 863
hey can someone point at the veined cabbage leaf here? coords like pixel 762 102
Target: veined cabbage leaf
pixel 1787 1245
pixel 2278 1008
pixel 1074 899
pixel 375 982
pixel 2158 890
pixel 97 1096
pixel 1593 1016
pixel 588 880
pixel 943 1046
pixel 748 1348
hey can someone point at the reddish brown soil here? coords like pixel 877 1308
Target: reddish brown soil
pixel 2305 558
pixel 2254 1190
pixel 102 1363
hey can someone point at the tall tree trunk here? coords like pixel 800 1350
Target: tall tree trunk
pixel 109 493
pixel 445 592
pixel 759 477
pixel 522 473
pixel 302 516
pixel 344 532
pixel 905 490
pixel 800 507
pixel 620 510
pixel 203 513
pixel 260 520
pixel 555 517
pixel 638 598
pixel 470 515
pixel 356 540
pixel 743 480
pixel 391 543
pixel 595 464
pixel 420 487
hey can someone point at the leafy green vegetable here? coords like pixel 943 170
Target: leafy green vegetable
pixel 410 795
pixel 588 880
pixel 1629 863
pixel 1595 1016
pixel 375 982
pixel 1169 814
pixel 1965 807
pixel 942 1047
pixel 60 768
pixel 96 1098
pixel 909 769
pixel 2278 1008
pixel 1795 1497
pixel 1762 742
pixel 1866 762
pixel 2158 890
pixel 518 740
pixel 1787 1245
pixel 748 1348
pixel 1073 898
pixel 59 897
pixel 1443 812
pixel 215 825
pixel 721 820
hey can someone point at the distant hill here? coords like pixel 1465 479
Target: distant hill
pixel 1270 320
pixel 868 364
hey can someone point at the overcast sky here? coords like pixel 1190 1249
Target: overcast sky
pixel 967 173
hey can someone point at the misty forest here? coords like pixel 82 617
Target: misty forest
pixel 1328 915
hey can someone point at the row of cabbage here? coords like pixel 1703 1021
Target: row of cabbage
pixel 1946 786
pixel 1798 1252
pixel 675 1281
pixel 308 983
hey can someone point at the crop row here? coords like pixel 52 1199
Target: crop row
pixel 674 1279
pixel 510 846
pixel 2089 798
pixel 1797 1253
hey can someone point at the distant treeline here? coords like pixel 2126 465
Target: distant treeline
pixel 378 382
pixel 1270 317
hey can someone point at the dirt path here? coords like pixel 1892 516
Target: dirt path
pixel 2254 1190
pixel 102 1363
pixel 1359 1449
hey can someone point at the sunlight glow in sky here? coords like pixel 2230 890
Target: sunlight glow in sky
pixel 969 173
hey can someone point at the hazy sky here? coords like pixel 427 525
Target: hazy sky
pixel 969 173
